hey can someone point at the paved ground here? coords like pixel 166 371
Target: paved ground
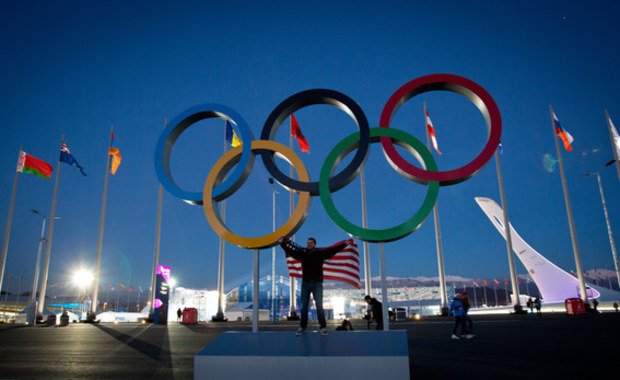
pixel 505 346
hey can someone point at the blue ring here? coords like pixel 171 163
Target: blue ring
pixel 181 123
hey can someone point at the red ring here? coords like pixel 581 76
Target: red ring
pixel 445 82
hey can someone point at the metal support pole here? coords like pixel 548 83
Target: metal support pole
pixel 156 252
pixel 511 259
pixel 255 285
pixel 384 295
pixel 48 245
pixel 367 278
pixel 440 265
pixel 609 232
pixel 273 258
pixel 32 313
pixel 9 221
pixel 569 213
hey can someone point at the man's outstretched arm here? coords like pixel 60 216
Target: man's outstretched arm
pixel 290 248
pixel 329 252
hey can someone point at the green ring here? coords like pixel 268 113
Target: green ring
pixel 344 147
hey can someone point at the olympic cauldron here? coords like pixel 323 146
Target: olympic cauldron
pixel 237 163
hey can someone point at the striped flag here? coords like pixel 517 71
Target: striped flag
pixel 231 136
pixel 122 286
pixel 476 284
pixel 496 282
pixel 344 266
pixel 132 289
pixel 566 137
pixel 29 164
pixel 110 287
pixel 115 153
pixel 430 129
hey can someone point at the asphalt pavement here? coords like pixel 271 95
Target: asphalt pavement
pixel 506 346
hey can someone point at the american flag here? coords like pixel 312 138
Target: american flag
pixel 343 266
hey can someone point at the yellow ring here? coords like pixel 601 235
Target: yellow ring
pixel 218 173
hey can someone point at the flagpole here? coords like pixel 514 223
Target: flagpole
pixel 527 286
pixel 569 212
pixel 219 317
pixel 495 291
pixel 440 263
pixel 9 221
pixel 292 287
pixel 511 258
pixel 48 246
pixel 93 306
pixel 614 148
pixel 157 241
pixel 475 297
pixel 156 252
pixel 368 280
pixel 612 244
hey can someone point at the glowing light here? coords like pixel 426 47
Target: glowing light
pixel 82 277
pixel 338 307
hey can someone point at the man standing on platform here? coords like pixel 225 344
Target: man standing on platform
pixel 312 259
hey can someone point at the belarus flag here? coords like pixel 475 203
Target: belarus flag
pixel 430 129
pixel 32 165
pixel 567 139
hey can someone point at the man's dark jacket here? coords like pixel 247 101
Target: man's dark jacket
pixel 311 260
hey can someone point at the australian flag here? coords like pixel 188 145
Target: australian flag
pixel 67 158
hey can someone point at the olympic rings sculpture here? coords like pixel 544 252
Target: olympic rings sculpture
pixel 239 161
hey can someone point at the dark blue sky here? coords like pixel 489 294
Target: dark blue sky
pixel 76 68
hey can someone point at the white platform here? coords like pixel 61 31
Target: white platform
pixel 282 355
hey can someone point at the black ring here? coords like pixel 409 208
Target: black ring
pixel 308 98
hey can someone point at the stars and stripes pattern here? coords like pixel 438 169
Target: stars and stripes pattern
pixel 344 266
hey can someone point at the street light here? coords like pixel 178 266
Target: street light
pixel 611 238
pixel 273 253
pixel 31 317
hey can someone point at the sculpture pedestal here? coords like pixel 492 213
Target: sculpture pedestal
pixel 272 355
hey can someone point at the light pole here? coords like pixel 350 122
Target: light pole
pixel 273 253
pixel 32 313
pixel 611 237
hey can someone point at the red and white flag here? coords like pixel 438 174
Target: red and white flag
pixel 344 266
pixel 430 129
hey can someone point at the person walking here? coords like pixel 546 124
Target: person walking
pixel 530 305
pixel 468 321
pixel 311 259
pixel 375 311
pixel 457 310
pixel 538 305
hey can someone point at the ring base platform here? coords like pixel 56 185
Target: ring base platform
pixel 272 355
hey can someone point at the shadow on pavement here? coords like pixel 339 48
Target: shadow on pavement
pixel 159 350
